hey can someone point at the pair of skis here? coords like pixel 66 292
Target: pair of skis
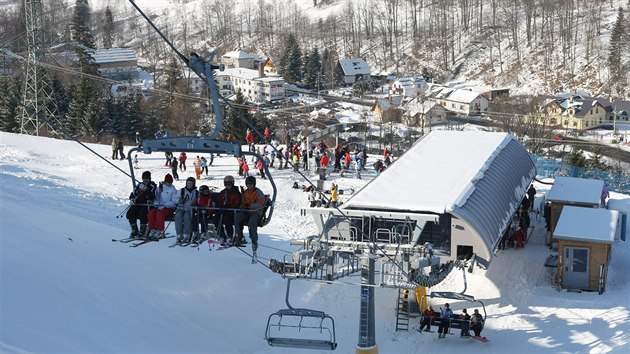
pixel 140 241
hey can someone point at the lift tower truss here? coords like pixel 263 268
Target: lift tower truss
pixel 37 95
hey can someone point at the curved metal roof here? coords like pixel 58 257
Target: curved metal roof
pixel 479 177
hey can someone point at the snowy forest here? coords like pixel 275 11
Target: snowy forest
pixel 536 47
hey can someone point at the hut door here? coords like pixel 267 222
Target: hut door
pixel 575 268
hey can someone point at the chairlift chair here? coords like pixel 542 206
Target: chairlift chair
pixel 317 324
pixel 455 296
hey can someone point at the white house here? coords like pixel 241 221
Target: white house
pixel 410 86
pixel 424 113
pixel 459 101
pixel 254 84
pixel 354 70
pixel 240 59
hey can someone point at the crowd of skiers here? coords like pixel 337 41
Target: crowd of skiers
pixel 194 210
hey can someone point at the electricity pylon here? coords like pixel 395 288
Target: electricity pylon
pixel 37 98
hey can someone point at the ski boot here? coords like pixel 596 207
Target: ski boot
pixel 143 231
pixel 134 231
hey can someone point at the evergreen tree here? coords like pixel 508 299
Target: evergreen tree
pixel 291 64
pixel 233 122
pixel 82 35
pixel 61 99
pixel 9 98
pixel 108 28
pixel 313 69
pixel 576 161
pixel 618 75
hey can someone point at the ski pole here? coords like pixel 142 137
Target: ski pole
pixel 123 212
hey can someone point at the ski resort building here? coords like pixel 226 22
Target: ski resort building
pixel 585 237
pixel 571 191
pixel 457 190
pixel 119 64
pixel 255 85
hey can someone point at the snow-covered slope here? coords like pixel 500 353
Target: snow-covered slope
pixel 65 287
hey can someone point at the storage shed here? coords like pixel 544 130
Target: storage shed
pixel 471 182
pixel 622 206
pixel 573 191
pixel 585 238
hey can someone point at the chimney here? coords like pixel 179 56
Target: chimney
pixel 261 70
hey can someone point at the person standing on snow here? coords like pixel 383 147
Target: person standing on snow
pixel 114 149
pixel 197 164
pixel 184 213
pixel 446 314
pixel 182 161
pixel 174 164
pixel 141 198
pixel 476 321
pixel 165 202
pixel 249 138
pixel 120 148
pixel 266 133
pixel 204 165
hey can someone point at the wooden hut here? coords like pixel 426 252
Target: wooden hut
pixel 585 237
pixel 572 191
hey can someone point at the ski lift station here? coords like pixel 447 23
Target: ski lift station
pixel 461 200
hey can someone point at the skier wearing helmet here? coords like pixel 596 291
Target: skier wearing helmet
pixel 228 201
pixel 253 203
pixel 184 214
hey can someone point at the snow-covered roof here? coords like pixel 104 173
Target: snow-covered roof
pixel 476 176
pixel 114 55
pixel 356 66
pixel 247 74
pixel 576 190
pixel 389 102
pixel 586 224
pixel 463 96
pixel 239 54
pixel 621 205
pixel 415 106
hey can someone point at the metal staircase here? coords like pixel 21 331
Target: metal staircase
pixel 402 310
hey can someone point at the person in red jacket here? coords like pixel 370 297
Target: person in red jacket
pixel 266 133
pixel 249 137
pixel 182 161
pixel 245 169
pixel 261 168
pixel 205 210
pixel 228 201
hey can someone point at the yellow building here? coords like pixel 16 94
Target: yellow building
pixel 575 113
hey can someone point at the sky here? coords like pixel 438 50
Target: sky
pixel 65 287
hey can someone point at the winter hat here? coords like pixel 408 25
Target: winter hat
pixel 146 174
pixel 168 178
pixel 190 179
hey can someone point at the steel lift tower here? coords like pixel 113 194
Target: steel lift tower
pixel 37 95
